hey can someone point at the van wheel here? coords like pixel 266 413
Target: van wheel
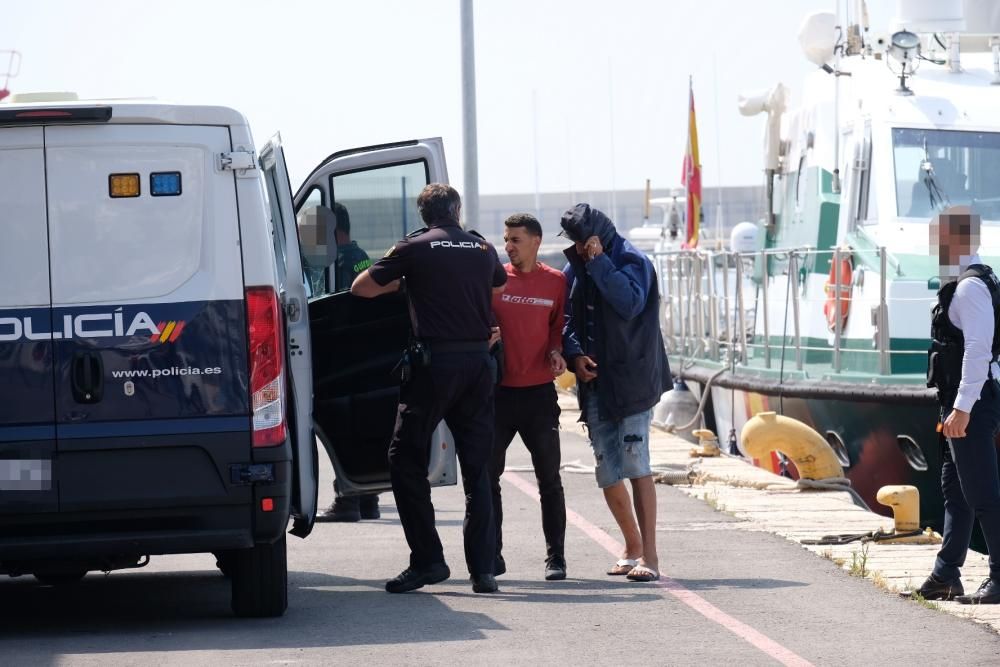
pixel 260 580
pixel 60 578
pixel 225 561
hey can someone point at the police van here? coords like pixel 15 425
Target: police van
pixel 170 352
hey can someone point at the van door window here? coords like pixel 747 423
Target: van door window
pixel 277 228
pixel 370 211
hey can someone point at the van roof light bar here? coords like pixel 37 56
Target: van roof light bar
pixel 96 114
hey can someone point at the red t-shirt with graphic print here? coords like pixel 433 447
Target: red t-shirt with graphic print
pixel 530 315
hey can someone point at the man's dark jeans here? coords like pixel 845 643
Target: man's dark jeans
pixel 971 486
pixel 532 412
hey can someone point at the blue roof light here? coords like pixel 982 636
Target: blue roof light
pixel 165 183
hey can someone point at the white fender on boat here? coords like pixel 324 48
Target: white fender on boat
pixel 809 451
pixel 675 409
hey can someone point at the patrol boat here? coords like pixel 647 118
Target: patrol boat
pixel 826 317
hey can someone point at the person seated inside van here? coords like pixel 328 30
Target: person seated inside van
pixel 351 259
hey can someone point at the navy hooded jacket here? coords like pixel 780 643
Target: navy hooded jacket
pixel 622 332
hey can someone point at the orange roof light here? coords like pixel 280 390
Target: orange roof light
pixel 123 185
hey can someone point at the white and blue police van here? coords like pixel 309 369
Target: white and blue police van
pixel 170 351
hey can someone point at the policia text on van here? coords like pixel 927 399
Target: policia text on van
pixel 145 242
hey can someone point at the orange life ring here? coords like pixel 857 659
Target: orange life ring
pixel 838 303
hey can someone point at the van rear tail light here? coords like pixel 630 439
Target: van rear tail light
pixel 267 377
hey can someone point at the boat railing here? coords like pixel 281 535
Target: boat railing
pixel 719 305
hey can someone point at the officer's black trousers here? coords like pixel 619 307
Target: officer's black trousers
pixel 532 412
pixel 457 387
pixel 971 486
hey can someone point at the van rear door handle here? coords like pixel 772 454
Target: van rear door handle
pixel 87 377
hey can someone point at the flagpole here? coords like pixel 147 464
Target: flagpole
pixel 718 157
pixel 611 123
pixel 470 151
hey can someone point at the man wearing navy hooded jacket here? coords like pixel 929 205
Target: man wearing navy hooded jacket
pixel 612 341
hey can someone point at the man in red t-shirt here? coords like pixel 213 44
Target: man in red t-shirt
pixel 530 315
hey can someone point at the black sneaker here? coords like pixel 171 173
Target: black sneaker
pixel 988 593
pixel 936 589
pixel 413 578
pixel 499 566
pixel 555 569
pixel 368 505
pixel 484 583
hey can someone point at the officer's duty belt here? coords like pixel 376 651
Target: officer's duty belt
pixel 444 346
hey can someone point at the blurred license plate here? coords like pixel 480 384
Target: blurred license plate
pixel 25 474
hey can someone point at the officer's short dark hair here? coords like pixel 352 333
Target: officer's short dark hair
pixel 439 203
pixel 343 218
pixel 525 220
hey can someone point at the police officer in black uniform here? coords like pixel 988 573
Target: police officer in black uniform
pixel 450 277
pixel 962 366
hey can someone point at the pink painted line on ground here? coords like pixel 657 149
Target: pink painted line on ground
pixel 755 638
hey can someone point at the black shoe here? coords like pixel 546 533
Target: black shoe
pixel 936 589
pixel 484 583
pixel 988 593
pixel 368 505
pixel 413 578
pixel 499 566
pixel 555 569
pixel 340 512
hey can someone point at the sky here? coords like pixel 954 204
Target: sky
pixel 593 92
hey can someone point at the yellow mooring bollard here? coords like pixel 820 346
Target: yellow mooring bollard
pixel 905 503
pixel 566 380
pixel 708 444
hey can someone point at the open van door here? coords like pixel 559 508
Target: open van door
pixel 351 210
pixel 297 339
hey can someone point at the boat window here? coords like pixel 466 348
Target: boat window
pixel 863 173
pixel 964 167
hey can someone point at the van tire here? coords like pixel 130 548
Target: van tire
pixel 224 560
pixel 260 580
pixel 59 578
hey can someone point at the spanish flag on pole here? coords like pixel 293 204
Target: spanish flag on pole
pixel 691 178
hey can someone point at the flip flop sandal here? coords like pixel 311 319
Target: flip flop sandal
pixel 643 574
pixel 623 566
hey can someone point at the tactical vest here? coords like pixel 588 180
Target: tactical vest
pixel 944 358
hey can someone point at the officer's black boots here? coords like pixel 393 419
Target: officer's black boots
pixel 413 578
pixel 937 589
pixel 368 505
pixel 988 593
pixel 351 508
pixel 484 583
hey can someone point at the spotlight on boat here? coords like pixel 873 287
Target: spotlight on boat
pixel 904 48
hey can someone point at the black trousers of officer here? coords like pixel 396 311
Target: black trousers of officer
pixel 456 387
pixel 971 486
pixel 533 412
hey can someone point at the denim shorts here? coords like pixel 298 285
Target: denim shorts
pixel 621 448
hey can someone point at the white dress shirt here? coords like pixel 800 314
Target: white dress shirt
pixel 971 311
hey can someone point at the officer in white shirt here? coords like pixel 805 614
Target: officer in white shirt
pixel 963 368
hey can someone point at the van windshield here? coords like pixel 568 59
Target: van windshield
pixel 963 171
